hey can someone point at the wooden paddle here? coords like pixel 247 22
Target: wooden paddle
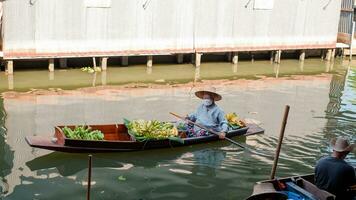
pixel 209 130
pixel 278 149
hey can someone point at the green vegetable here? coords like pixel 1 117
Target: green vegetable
pixel 83 133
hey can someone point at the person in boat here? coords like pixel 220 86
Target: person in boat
pixel 208 114
pixel 335 175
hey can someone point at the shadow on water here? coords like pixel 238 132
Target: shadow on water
pixel 6 154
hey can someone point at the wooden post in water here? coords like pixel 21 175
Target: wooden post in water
pixel 9 67
pixel 89 176
pixel 235 58
pixel 277 57
pixel 302 55
pixel 149 61
pixel 281 135
pixel 333 52
pixel 104 63
pixel 51 65
pixel 94 63
pixel 328 55
pixel 197 59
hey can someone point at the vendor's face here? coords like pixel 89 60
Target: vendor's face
pixel 207 96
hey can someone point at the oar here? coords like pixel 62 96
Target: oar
pixel 207 129
pixel 281 135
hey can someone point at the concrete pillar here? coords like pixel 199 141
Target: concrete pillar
pixel 328 55
pixel 302 55
pixel 63 62
pixel 333 52
pixel 197 59
pixel 124 60
pixel 277 56
pixel 104 63
pixel 9 67
pixel 10 81
pixel 235 58
pixel 149 61
pixel 94 62
pixel 180 58
pixel 51 65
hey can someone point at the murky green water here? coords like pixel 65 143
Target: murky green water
pixel 322 99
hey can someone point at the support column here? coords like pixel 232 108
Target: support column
pixel 104 63
pixel 235 58
pixel 124 60
pixel 277 57
pixel 9 68
pixel 333 52
pixel 197 59
pixel 180 58
pixel 149 61
pixel 63 62
pixel 328 55
pixel 51 65
pixel 302 55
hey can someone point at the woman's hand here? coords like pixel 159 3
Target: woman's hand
pixel 222 135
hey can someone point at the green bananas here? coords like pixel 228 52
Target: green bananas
pixel 152 129
pixel 83 133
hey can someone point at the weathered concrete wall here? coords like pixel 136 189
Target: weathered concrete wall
pixel 66 28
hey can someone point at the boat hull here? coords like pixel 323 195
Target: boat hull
pixel 78 146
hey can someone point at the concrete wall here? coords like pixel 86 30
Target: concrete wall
pixel 66 28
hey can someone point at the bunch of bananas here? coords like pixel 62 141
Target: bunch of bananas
pixel 152 129
pixel 234 121
pixel 91 70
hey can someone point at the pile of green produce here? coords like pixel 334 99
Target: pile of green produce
pixel 143 130
pixel 83 133
pixel 233 121
pixel 90 69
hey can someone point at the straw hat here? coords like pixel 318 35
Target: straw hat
pixel 341 144
pixel 211 91
pixel 266 191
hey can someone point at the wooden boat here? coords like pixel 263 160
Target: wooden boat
pixel 296 187
pixel 117 139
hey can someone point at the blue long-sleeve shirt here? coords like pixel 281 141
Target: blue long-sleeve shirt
pixel 211 117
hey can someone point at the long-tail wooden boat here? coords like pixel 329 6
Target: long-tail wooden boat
pixel 116 139
pixel 293 188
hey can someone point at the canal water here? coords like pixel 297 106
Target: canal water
pixel 322 97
